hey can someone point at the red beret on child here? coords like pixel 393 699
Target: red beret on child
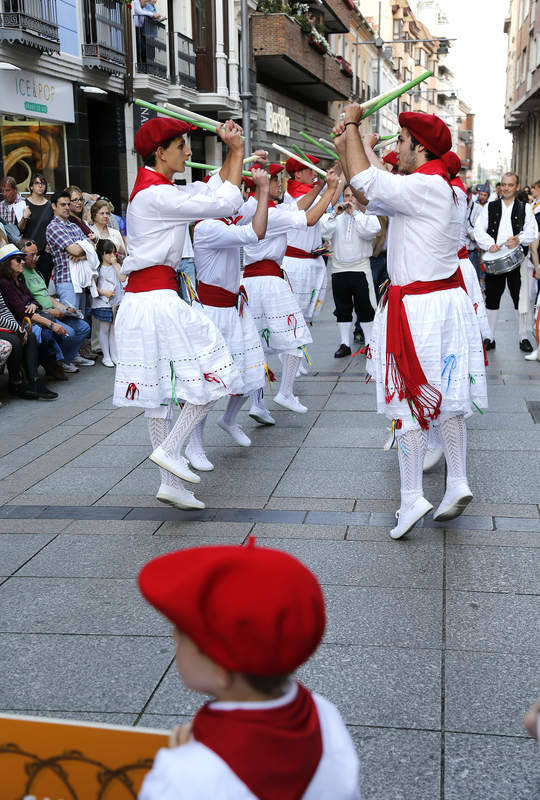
pixel 429 130
pixel 273 169
pixel 250 609
pixel 158 130
pixel 391 158
pixel 292 165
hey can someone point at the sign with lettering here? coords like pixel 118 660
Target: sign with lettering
pixel 36 95
pixel 69 760
pixel 277 121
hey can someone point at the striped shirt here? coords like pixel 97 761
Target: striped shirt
pixel 60 235
pixel 7 320
pixel 12 212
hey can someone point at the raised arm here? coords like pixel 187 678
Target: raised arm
pixel 231 134
pixel 262 188
pixel 315 213
pixel 341 146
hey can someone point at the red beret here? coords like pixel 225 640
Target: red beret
pixel 429 130
pixel 158 130
pixel 292 165
pixel 453 163
pixel 273 169
pixel 391 158
pixel 250 609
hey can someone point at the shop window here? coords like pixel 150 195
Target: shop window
pixel 30 146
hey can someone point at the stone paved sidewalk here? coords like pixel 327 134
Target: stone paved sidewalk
pixel 432 646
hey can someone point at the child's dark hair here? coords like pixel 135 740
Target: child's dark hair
pixel 104 246
pixel 266 684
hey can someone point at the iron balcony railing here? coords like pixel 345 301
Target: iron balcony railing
pixel 185 68
pixel 104 35
pixel 152 48
pixel 31 22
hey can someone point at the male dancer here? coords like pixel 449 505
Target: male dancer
pixel 274 306
pixel 217 244
pixel 167 349
pixel 509 222
pixel 426 343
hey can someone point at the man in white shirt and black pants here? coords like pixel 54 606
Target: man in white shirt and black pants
pixel 509 222
pixel 352 233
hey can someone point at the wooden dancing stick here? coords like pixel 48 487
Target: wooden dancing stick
pixel 300 152
pixel 382 144
pixel 191 114
pixel 210 167
pixel 308 164
pixel 308 138
pixel 390 137
pixel 166 112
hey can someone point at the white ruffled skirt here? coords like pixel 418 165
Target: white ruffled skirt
pixel 168 349
pixel 243 341
pixel 276 314
pixel 448 342
pixel 308 278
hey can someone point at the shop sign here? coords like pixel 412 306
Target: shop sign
pixel 32 94
pixel 277 121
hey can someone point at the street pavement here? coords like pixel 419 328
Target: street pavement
pixel 431 650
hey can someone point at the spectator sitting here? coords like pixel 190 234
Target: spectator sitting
pixel 101 218
pixel 76 207
pixel 24 353
pixel 22 306
pixel 13 205
pixel 36 216
pixel 76 328
pixel 5 352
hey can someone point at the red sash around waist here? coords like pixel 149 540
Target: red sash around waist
pixel 402 364
pixel 463 252
pixel 296 252
pixel 264 267
pixel 147 280
pixel 211 295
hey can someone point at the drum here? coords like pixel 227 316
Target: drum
pixel 504 260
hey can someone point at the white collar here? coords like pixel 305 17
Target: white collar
pixel 290 693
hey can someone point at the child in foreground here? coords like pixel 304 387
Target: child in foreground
pixel 244 619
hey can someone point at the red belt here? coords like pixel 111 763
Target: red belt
pixel 402 363
pixel 211 295
pixel 264 267
pixel 463 252
pixel 147 280
pixel 296 252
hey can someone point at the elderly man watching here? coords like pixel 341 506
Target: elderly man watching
pixel 12 206
pixel 76 328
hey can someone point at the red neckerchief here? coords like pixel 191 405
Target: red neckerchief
pixel 275 752
pixel 147 177
pixel 459 184
pixel 297 189
pixel 271 203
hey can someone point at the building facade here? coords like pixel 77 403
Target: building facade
pixel 522 110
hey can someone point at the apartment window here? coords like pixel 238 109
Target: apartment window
pixel 407 75
pixel 397 28
pixel 523 65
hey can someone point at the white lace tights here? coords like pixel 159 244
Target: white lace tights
pixel 453 434
pixel 159 430
pixel 288 373
pixel 412 447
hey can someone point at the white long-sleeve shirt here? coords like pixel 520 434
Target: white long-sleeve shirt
pixel 217 252
pixel 157 219
pixel 309 238
pixel 474 211
pixel 281 220
pixel 352 239
pixel 526 236
pixel 424 235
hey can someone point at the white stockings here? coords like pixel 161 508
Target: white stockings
pixel 189 417
pixel 236 401
pixel 159 429
pixel 107 341
pixel 453 434
pixel 288 373
pixel 412 447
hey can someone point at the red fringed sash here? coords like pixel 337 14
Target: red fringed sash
pixel 264 267
pixel 149 279
pixel 403 369
pixel 216 296
pixel 296 252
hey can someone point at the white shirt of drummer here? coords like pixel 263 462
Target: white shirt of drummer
pixel 526 236
pixel 157 219
pixel 352 238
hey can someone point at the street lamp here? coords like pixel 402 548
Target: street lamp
pixel 245 94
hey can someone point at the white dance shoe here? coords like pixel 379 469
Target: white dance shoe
pixel 178 466
pixel 235 432
pixel 261 415
pixel 455 501
pixel 178 497
pixel 302 370
pixel 291 403
pixel 409 517
pixel 532 356
pixel 432 457
pixel 198 459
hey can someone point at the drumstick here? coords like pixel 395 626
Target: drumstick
pixel 308 164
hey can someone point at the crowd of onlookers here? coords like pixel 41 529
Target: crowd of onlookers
pixel 60 284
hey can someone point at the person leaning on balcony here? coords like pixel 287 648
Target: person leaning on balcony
pixel 142 9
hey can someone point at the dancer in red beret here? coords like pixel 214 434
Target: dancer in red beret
pixel 169 350
pixel 426 346
pixel 245 618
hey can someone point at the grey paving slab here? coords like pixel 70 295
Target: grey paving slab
pixel 83 512
pixel 172 697
pixel 381 533
pixel 351 420
pixel 162 722
pixel 223 515
pixel 490 768
pixel 88 417
pixel 310 503
pixel 33 526
pixel 78 606
pixel 492 622
pixel 93 479
pixel 99 456
pixel 489 692
pixel 146 481
pixel 499 420
pixel 295 531
pixel 352 437
pixel 494 538
pixel 355 461
pixel 512 524
pixel 16 548
pixel 113 526
pixel 337 517
pixel 383 617
pixel 367 684
pixel 331 484
pixel 94 673
pixel 492 569
pixel 350 402
pixel 205 529
pixel 525 510
pixel 81 499
pixel 12 511
pixel 118 555
pixel 398 764
pixel 521 471
pixel 409 565
pixel 90 716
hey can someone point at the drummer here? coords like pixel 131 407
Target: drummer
pixel 508 222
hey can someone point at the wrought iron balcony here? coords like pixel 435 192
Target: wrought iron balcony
pixel 185 65
pixel 151 40
pixel 30 22
pixel 103 46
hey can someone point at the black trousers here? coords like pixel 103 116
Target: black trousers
pixel 22 355
pixel 350 290
pixel 495 286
